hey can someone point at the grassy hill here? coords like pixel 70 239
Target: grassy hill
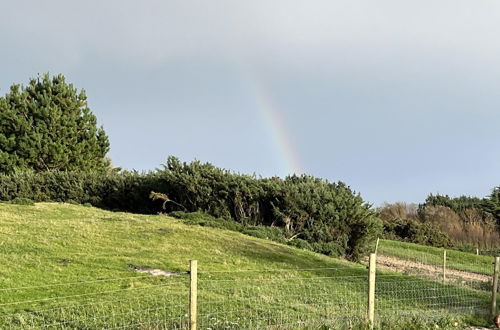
pixel 462 261
pixel 68 266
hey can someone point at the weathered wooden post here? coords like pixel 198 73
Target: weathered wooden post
pixel 444 265
pixel 193 294
pixel 495 287
pixel 371 288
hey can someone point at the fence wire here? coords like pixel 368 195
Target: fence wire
pixel 161 305
pixel 332 297
pixel 298 299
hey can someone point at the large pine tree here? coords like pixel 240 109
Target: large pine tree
pixel 47 125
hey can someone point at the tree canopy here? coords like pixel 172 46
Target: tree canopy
pixel 47 125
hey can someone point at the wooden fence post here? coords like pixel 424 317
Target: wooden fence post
pixel 495 287
pixel 193 294
pixel 371 288
pixel 444 265
pixel 376 245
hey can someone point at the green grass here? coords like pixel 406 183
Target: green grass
pixel 69 266
pixel 434 256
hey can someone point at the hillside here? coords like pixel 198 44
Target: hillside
pixel 95 241
pixel 63 265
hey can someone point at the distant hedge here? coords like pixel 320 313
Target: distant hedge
pixel 331 217
pixel 127 191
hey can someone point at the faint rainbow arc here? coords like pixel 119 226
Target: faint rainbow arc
pixel 278 130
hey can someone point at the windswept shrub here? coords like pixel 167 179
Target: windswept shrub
pixel 127 191
pixel 332 249
pixel 331 217
pixel 303 207
pixel 22 201
pixel 203 219
pixel 414 231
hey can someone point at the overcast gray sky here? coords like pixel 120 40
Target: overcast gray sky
pixel 396 98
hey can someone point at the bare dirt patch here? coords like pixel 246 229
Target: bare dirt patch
pixel 153 271
pixel 434 272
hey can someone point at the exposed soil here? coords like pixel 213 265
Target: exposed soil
pixel 153 271
pixel 401 266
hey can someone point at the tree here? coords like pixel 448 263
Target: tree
pixel 47 125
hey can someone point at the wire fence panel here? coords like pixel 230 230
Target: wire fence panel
pixel 293 300
pixel 430 299
pixel 160 304
pixel 402 256
pixel 436 282
pixel 333 298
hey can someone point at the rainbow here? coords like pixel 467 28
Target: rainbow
pixel 276 126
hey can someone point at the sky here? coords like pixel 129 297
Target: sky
pixel 396 98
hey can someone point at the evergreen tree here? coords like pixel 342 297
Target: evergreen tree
pixel 47 125
pixel 491 204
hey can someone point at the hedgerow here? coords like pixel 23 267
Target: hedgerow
pixel 330 217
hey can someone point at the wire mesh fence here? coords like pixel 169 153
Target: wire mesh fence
pixel 282 299
pixel 329 297
pixel 436 264
pixel 438 281
pixel 161 303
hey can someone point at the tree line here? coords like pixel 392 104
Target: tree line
pixel 51 149
pixel 464 222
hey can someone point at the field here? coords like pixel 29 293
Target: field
pixel 457 260
pixel 68 266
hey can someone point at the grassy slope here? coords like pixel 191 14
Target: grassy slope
pixel 434 256
pixel 48 244
pixel 103 243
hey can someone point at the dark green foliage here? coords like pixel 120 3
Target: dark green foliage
pixel 272 233
pixel 127 191
pixel 491 204
pixel 47 126
pixel 22 201
pixel 329 248
pixel 203 219
pixel 301 244
pixel 443 220
pixel 457 204
pixel 302 207
pixel 329 216
pixel 414 231
pixel 467 247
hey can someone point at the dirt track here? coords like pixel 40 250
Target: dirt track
pixel 401 265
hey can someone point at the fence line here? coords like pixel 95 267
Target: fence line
pixel 335 297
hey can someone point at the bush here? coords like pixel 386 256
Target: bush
pixel 297 207
pixel 203 219
pixel 271 233
pixel 329 248
pixel 414 231
pixel 301 244
pixel 303 207
pixel 22 201
pixel 128 191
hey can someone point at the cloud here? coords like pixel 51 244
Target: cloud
pixel 149 32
